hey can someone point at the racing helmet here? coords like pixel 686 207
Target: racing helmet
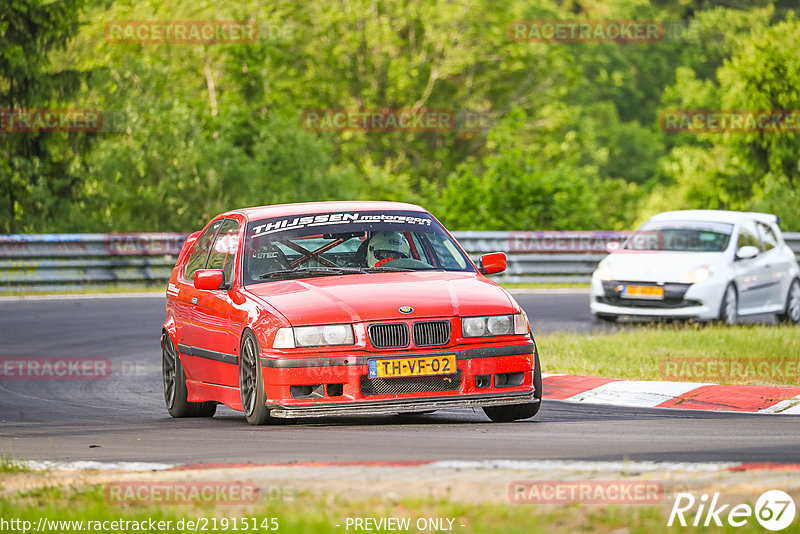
pixel 385 245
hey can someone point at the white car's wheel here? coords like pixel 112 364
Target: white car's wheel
pixel 729 310
pixel 792 312
pixel 251 382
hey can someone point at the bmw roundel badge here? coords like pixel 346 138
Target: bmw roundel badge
pixel 405 309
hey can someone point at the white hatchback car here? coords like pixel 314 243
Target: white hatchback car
pixel 700 264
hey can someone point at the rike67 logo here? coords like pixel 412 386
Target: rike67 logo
pixel 774 510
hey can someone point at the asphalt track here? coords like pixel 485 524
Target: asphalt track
pixel 122 417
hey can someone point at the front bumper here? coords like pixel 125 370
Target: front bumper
pixel 400 406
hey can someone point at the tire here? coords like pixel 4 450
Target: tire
pixel 174 381
pixel 251 382
pixel 729 309
pixel 606 318
pixel 791 314
pixel 514 412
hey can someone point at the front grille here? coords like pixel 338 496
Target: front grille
pixel 430 333
pixel 673 296
pixel 389 335
pixel 419 384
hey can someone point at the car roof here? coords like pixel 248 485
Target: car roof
pixel 714 216
pixel 303 208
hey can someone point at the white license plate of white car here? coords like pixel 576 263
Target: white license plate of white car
pixel 643 292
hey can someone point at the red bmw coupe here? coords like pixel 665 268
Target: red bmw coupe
pixel 341 308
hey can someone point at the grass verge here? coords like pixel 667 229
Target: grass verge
pixel 325 514
pixel 87 291
pixel 8 466
pixel 546 285
pixel 763 355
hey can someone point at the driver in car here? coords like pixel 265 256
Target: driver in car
pixel 385 247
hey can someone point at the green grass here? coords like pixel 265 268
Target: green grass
pixel 87 291
pixel 661 352
pixel 320 514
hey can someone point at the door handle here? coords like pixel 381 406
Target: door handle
pixel 194 300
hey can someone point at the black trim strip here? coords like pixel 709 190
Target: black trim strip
pixel 488 352
pixel 208 354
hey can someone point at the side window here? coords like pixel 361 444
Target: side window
pixel 223 253
pixel 768 236
pixel 748 236
pixel 197 259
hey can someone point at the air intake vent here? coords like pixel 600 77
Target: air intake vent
pixel 430 333
pixel 389 336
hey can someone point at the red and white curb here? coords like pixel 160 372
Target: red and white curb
pixel 680 395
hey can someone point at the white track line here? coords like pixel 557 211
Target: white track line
pixel 578 465
pixel 638 393
pixel 788 406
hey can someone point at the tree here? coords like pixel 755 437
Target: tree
pixel 756 169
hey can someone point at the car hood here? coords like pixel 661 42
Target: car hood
pixel 659 266
pixel 378 297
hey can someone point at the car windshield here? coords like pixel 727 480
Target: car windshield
pixel 322 244
pixel 680 236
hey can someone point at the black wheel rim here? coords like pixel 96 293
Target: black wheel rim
pixel 168 365
pixel 247 376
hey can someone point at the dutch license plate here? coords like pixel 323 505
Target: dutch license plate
pixel 643 292
pixel 419 366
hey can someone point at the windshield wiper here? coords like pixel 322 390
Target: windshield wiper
pixel 311 271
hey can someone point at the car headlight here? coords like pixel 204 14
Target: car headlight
pixel 694 276
pixel 604 272
pixel 494 325
pixel 314 336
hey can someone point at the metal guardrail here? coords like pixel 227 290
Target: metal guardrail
pixel 47 262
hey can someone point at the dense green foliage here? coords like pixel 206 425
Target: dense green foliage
pixel 572 137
